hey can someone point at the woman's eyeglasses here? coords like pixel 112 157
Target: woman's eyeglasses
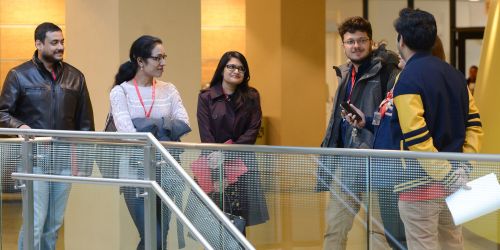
pixel 158 58
pixel 233 67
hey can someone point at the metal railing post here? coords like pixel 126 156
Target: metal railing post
pixel 150 199
pixel 368 202
pixel 27 194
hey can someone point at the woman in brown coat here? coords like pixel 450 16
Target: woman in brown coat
pixel 229 112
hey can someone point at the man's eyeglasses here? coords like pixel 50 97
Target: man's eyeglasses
pixel 158 58
pixel 233 67
pixel 361 41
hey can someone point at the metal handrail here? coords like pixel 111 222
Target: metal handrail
pixel 132 139
pixel 118 182
pixel 148 138
pixel 204 197
pixel 337 151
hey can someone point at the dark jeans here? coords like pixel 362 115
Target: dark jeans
pixel 135 206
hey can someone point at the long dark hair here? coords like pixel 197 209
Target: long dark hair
pixel 141 48
pixel 243 93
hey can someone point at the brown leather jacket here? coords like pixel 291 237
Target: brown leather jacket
pixel 31 96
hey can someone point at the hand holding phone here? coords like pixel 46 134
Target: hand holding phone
pixel 348 109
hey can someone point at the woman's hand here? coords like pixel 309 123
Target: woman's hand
pixel 351 118
pixel 215 159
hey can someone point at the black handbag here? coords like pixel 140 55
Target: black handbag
pixel 109 126
pixel 238 221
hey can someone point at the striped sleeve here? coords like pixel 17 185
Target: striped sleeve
pixel 473 129
pixel 416 135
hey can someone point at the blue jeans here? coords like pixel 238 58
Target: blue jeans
pixel 135 206
pixel 50 199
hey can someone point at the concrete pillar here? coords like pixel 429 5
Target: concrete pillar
pixel 99 35
pixel 486 96
pixel 286 52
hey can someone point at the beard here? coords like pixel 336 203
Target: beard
pixel 50 57
pixel 363 59
pixel 360 61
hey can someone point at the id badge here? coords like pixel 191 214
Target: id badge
pixel 376 118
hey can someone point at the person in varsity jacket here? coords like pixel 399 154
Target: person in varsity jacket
pixel 436 113
pixel 429 109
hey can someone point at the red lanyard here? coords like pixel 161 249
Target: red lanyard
pixel 53 75
pixel 353 80
pixel 385 104
pixel 147 114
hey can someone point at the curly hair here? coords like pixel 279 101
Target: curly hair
pixel 353 24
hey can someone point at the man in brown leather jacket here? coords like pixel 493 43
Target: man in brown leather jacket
pixel 46 93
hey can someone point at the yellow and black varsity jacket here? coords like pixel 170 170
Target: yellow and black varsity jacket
pixel 436 113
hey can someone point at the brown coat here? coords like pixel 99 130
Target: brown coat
pixel 220 119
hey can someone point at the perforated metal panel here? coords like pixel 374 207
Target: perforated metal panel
pixel 10 157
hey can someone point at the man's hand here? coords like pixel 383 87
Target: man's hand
pixel 24 126
pixel 351 118
pixel 459 180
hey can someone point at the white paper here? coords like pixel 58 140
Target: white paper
pixel 483 198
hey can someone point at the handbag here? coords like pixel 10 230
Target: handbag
pixel 238 221
pixel 109 126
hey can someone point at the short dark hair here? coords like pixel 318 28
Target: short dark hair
pixel 353 24
pixel 473 67
pixel 417 27
pixel 42 29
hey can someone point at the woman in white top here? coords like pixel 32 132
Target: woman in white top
pixel 138 94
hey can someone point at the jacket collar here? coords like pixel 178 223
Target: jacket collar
pixel 57 66
pixel 216 91
pixel 369 68
pixel 418 55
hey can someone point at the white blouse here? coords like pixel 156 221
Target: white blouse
pixel 125 104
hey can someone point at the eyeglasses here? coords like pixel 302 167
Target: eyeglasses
pixel 158 58
pixel 361 41
pixel 233 67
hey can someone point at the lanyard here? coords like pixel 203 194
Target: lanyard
pixel 353 80
pixel 385 104
pixel 147 114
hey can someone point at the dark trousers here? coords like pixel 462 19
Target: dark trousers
pixel 135 206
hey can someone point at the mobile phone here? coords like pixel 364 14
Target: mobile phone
pixel 347 107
